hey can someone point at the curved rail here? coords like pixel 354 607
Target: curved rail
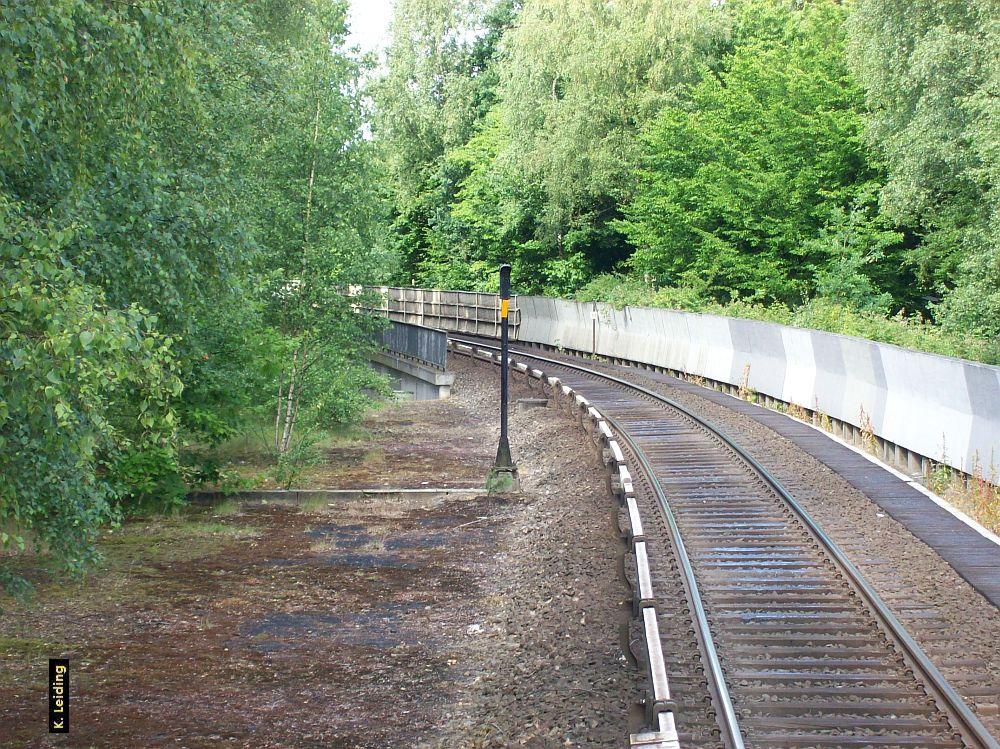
pixel 728 720
pixel 944 694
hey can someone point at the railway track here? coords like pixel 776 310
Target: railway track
pixel 767 633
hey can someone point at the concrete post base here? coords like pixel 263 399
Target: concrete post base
pixel 503 481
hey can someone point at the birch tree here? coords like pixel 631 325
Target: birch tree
pixel 580 79
pixel 315 224
pixel 931 70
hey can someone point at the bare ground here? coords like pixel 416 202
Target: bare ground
pixel 435 621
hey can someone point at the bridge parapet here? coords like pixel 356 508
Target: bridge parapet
pixel 473 312
pixel 417 342
pixel 415 358
pixel 909 407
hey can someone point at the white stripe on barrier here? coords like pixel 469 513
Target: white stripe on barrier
pixel 605 430
pixel 521 367
pixel 537 374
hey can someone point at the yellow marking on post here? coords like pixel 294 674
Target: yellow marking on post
pixel 504 306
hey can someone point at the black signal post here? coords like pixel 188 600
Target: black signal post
pixel 504 474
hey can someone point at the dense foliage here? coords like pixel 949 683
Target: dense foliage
pixel 187 186
pixel 728 155
pixel 748 180
pixel 183 188
pixel 932 73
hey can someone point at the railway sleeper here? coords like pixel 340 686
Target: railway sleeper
pixel 696 483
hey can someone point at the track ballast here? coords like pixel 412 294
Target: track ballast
pixel 794 648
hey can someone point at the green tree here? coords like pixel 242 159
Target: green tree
pixel 747 180
pixel 580 78
pixel 85 389
pixel 931 71
pixel 164 167
pixel 313 167
pixel 439 84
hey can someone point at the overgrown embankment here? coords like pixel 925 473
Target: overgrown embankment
pixel 361 622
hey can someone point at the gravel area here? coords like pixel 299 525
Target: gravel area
pixel 549 667
pixel 956 626
pixel 443 620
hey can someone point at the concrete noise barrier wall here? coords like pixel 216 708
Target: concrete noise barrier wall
pixel 938 407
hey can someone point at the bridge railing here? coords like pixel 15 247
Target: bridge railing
pixel 472 312
pixel 426 346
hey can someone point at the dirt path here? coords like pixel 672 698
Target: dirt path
pixel 435 621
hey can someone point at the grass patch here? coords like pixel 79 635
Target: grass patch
pixel 129 558
pixel 169 540
pixel 226 508
pixel 250 459
pixel 27 647
pixel 254 447
pixel 24 654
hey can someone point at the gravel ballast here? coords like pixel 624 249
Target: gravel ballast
pixel 957 627
pixel 547 664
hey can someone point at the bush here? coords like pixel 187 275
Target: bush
pixel 291 464
pixel 84 388
pixel 150 478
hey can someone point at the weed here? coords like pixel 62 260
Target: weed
pixel 292 464
pixel 868 440
pixel 941 478
pixel 226 508
pixel 798 412
pixel 746 392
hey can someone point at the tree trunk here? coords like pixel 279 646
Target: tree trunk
pixel 295 413
pixel 277 415
pixel 287 412
pixel 312 174
pixel 284 420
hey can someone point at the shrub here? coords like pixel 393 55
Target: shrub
pixel 909 331
pixel 86 389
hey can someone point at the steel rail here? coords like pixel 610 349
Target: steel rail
pixel 728 720
pixel 945 694
pixel 727 717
